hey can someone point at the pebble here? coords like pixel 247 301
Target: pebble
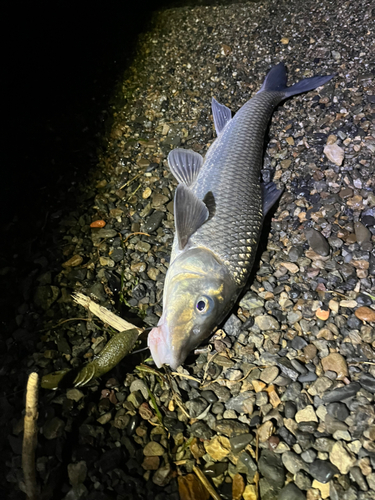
pixel 334 153
pixel 324 489
pixel 267 322
pixel 153 449
pixel 238 487
pixel 322 470
pixel 291 492
pixel 243 403
pixel 269 374
pixel 218 447
pixel 293 462
pixel 362 233
pixel 251 301
pixel 238 443
pixel 365 314
pixel 338 410
pixel 77 472
pixel 271 467
pixel 343 459
pixel 341 393
pixel 265 431
pixel 231 428
pixel 317 242
pixel 335 362
pixel 367 381
pixel 307 414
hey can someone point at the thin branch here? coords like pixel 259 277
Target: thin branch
pixel 30 437
pixel 103 313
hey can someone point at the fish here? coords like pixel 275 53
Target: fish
pixel 219 207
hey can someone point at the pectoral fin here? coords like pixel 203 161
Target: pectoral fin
pixel 270 195
pixel 189 212
pixel 222 115
pixel 185 165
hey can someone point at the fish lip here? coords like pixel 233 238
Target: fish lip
pixel 158 343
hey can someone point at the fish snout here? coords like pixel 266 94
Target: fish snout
pixel 162 350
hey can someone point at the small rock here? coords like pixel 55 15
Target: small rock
pixel 77 472
pixel 341 393
pixel 292 462
pixel 53 428
pixel 317 242
pixel 271 467
pixel 334 153
pixel 218 448
pixel 238 443
pixel 267 322
pixel 153 449
pixel 74 261
pixel 269 374
pixel 291 492
pixel 306 415
pixel 365 314
pixel 335 362
pixel 251 301
pixel 74 394
pixel 265 431
pixel 322 470
pixel 151 463
pixel 292 268
pixel 238 487
pixel 342 458
pixel 231 427
pixel 323 488
pixel 250 492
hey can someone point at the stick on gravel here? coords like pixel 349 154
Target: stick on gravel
pixel 103 313
pixel 30 437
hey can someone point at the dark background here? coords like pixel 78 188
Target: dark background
pixel 60 64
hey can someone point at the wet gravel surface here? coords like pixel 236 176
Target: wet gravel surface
pixel 281 402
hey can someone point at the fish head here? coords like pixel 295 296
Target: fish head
pixel 198 292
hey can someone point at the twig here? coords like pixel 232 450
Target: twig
pixel 131 180
pixel 231 381
pixel 211 490
pixel 133 234
pixel 103 313
pixel 155 406
pixel 133 193
pixel 186 376
pixel 30 437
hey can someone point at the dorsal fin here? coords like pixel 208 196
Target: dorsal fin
pixel 185 165
pixel 270 195
pixel 222 115
pixel 189 214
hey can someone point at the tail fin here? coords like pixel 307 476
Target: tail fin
pixel 275 81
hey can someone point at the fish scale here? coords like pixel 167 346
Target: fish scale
pixel 232 173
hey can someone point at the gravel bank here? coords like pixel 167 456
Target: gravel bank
pixel 284 401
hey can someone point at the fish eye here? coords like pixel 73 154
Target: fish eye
pixel 202 305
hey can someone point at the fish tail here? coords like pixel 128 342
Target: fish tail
pixel 276 79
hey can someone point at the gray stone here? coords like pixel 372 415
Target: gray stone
pixel 233 325
pixel 317 242
pixel 341 393
pixel 291 492
pixel 238 443
pixel 322 470
pixel 293 462
pixel 231 428
pixel 251 301
pixel 271 467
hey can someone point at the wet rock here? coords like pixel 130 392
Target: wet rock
pixel 231 428
pixel 267 322
pixel 218 448
pixel 365 314
pixel 338 411
pixel 53 428
pixel 341 393
pixel 251 301
pixel 238 443
pixel 362 233
pixel 317 242
pixel 271 467
pixel 201 430
pixel 196 407
pixel 233 325
pixel 322 470
pixel 343 459
pixel 292 462
pixel 367 381
pixel 291 492
pixel 335 362
pixel 153 449
pixel 243 403
pixel 77 472
pixel 269 374
pixel 334 153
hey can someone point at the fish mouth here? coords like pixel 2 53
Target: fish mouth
pixel 160 345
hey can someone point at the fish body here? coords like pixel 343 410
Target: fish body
pixel 219 207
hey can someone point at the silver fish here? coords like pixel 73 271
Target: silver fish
pixel 219 207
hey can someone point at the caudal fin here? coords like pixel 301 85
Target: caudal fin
pixel 275 81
